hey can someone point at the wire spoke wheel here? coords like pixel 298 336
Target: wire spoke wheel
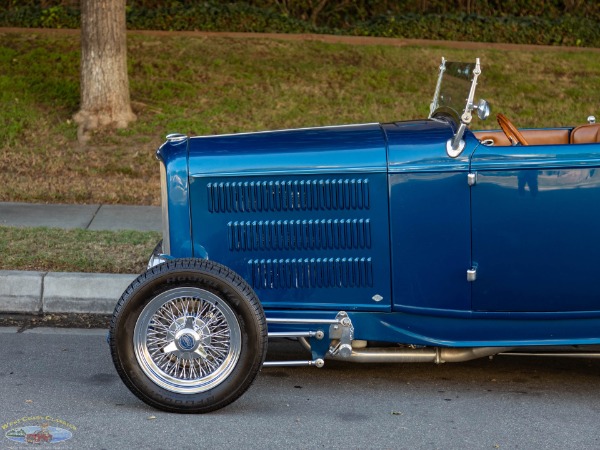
pixel 188 336
pixel 187 340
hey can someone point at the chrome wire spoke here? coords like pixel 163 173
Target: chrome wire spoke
pixel 203 308
pixel 211 366
pixel 213 321
pixel 187 340
pixel 222 334
pixel 159 327
pixel 167 314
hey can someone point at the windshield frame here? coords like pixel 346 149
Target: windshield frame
pixel 442 108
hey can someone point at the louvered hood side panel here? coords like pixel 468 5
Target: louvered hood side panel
pixel 317 240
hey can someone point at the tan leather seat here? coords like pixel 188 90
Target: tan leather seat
pixel 586 134
pixel 533 137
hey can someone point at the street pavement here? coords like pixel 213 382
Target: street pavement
pixel 48 292
pixel 66 377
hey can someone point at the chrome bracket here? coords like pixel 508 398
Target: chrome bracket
pixel 472 274
pixel 472 178
pixel 176 137
pixel 318 363
pixel 455 146
pixel 319 334
pixel 342 333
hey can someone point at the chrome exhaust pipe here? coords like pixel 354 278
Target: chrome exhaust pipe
pixel 402 355
pixel 388 355
pixel 467 354
pixel 436 355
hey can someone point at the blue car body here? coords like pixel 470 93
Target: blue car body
pixel 376 220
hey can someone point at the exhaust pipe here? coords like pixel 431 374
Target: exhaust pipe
pixel 437 355
pixel 402 355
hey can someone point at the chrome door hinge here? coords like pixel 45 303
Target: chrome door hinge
pixel 472 178
pixel 472 274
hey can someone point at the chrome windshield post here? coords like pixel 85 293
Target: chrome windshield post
pixel 434 103
pixel 456 145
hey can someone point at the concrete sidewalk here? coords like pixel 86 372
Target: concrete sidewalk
pixel 89 217
pixel 48 292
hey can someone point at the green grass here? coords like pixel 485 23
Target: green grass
pixel 200 85
pixel 52 249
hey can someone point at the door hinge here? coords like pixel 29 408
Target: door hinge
pixel 472 178
pixel 472 274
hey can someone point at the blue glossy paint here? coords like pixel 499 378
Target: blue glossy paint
pixel 535 228
pixel 378 221
pixel 351 148
pixel 302 215
pixel 429 217
pixel 174 156
pixel 431 242
pixel 420 146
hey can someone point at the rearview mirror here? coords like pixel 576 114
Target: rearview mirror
pixel 483 109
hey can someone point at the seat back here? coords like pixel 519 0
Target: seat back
pixel 586 134
pixel 533 137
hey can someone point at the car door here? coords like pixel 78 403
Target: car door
pixel 535 213
pixel 429 218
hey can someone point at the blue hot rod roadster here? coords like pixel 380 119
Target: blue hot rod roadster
pixel 416 241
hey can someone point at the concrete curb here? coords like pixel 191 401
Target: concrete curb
pixel 64 292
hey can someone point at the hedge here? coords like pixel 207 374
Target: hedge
pixel 262 16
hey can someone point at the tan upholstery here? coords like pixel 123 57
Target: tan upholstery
pixel 586 134
pixel 533 137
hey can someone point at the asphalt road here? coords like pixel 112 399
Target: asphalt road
pixel 66 377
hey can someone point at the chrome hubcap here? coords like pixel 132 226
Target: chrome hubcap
pixel 187 340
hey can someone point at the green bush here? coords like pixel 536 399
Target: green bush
pixel 518 30
pixel 562 23
pixel 213 16
pixel 31 16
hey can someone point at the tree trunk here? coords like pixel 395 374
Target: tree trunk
pixel 104 81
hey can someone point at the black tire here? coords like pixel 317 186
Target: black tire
pixel 209 317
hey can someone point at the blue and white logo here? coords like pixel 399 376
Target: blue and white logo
pixel 186 342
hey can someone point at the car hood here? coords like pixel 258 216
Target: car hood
pixel 348 148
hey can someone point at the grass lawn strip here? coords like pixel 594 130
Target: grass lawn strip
pixel 59 250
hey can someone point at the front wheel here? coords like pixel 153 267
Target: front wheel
pixel 188 336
